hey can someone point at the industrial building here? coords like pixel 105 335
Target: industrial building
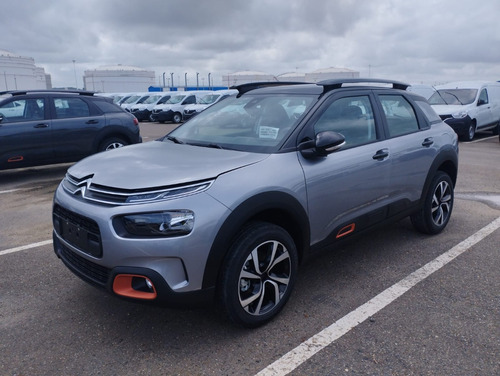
pixel 118 78
pixel 21 73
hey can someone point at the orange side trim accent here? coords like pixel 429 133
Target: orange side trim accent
pixel 122 285
pixel 346 230
pixel 17 158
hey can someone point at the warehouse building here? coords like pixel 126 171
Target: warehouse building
pixel 118 78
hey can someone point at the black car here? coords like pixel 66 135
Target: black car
pixel 45 127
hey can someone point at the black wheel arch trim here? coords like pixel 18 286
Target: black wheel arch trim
pixel 446 161
pixel 275 207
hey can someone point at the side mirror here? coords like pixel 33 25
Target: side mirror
pixel 324 143
pixel 481 102
pixel 1 118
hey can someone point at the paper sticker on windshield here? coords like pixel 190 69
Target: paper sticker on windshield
pixel 268 132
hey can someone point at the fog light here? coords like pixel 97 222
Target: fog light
pixel 134 286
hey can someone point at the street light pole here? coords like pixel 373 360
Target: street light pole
pixel 74 68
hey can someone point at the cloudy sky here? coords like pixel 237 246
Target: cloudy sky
pixel 425 41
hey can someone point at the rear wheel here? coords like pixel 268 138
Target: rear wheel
pixel 438 205
pixel 112 143
pixel 259 274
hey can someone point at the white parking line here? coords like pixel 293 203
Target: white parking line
pixel 9 191
pixel 290 361
pixel 24 247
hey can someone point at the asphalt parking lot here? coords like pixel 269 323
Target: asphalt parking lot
pixel 393 303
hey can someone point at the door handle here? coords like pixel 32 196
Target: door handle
pixel 92 122
pixel 41 125
pixel 381 154
pixel 428 142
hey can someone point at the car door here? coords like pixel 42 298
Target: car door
pixel 75 127
pixel 411 143
pixel 349 189
pixel 484 116
pixel 25 133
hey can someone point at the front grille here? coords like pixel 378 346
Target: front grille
pixel 91 272
pixel 79 231
pixel 116 196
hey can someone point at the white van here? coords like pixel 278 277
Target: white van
pixel 142 111
pixel 206 101
pixel 468 107
pixel 173 108
pixel 135 98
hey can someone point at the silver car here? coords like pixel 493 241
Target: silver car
pixel 227 206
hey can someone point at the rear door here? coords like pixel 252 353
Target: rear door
pixel 25 133
pixel 75 127
pixel 412 147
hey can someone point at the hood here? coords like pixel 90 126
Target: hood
pixel 160 164
pixel 444 109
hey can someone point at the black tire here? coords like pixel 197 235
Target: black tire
pixel 112 143
pixel 471 132
pixel 438 205
pixel 258 275
pixel 177 117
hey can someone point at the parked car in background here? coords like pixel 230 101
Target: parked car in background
pixel 143 110
pixel 231 202
pixel 44 127
pixel 468 107
pixel 206 101
pixel 173 109
pixel 134 99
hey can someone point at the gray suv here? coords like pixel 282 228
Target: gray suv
pixel 227 206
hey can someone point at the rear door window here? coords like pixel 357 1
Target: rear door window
pixel 400 115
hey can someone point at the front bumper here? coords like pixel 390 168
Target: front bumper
pixel 88 244
pixel 163 116
pixel 142 114
pixel 460 126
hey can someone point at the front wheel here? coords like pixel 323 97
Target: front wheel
pixel 259 274
pixel 177 118
pixel 471 132
pixel 438 205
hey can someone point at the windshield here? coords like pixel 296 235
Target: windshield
pixel 175 99
pixel 151 99
pixel 256 123
pixel 453 96
pixel 209 99
pixel 132 99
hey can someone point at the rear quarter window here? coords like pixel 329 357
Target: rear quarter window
pixel 428 111
pixel 107 107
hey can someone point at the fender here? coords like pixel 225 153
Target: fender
pixel 447 161
pixel 276 207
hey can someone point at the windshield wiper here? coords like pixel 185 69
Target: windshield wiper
pixel 453 95
pixel 174 139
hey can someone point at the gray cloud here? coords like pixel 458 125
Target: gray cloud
pixel 425 41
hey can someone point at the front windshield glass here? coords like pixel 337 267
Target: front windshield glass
pixel 453 96
pixel 152 99
pixel 256 123
pixel 132 99
pixel 175 99
pixel 209 99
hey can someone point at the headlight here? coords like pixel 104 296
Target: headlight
pixel 459 115
pixel 163 224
